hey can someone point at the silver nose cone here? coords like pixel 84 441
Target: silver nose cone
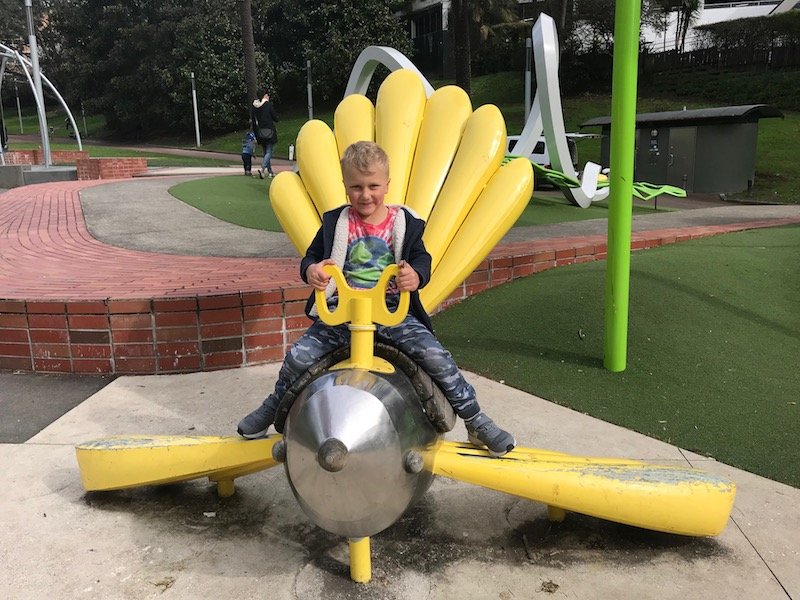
pixel 347 436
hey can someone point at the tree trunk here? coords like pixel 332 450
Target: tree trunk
pixel 461 47
pixel 249 49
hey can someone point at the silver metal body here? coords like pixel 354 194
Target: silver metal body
pixel 349 437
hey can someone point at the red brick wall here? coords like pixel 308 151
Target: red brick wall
pixel 36 157
pixel 20 157
pixel 88 168
pixel 164 335
pixel 66 157
pixel 110 168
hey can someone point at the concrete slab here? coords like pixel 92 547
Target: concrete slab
pixel 182 541
pixel 12 176
pixel 31 401
pixel 42 174
pixel 142 215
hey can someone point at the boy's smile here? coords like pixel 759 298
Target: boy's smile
pixel 366 192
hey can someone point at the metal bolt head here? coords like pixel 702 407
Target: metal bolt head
pixel 332 455
pixel 413 462
pixel 279 451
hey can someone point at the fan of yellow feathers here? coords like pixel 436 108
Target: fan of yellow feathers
pixel 447 164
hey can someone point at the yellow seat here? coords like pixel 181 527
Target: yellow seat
pixel 446 164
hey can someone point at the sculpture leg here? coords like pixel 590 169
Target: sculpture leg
pixel 360 562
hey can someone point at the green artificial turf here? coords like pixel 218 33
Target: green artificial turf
pixel 241 200
pixel 713 345
pixel 543 210
pixel 233 198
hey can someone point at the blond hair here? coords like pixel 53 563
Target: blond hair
pixel 365 157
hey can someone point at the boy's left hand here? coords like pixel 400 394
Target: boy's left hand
pixel 407 278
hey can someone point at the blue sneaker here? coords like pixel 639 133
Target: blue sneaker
pixel 255 425
pixel 483 432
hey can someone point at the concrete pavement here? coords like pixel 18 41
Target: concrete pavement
pixel 182 541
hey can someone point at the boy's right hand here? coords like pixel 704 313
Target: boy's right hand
pixel 318 278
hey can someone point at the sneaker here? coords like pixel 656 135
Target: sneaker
pixel 483 432
pixel 261 173
pixel 255 425
pixel 248 174
pixel 271 175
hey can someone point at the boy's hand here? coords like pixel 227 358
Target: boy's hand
pixel 317 277
pixel 407 278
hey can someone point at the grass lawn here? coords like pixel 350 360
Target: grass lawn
pixel 233 198
pixel 243 201
pixel 713 346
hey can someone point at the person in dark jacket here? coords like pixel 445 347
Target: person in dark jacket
pixel 362 238
pixel 263 119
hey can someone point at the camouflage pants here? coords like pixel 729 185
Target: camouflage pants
pixel 410 337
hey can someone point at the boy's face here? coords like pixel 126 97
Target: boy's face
pixel 366 191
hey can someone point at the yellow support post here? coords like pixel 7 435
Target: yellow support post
pixel 362 333
pixel 360 560
pixel 361 309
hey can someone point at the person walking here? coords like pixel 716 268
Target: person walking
pixel 263 119
pixel 248 150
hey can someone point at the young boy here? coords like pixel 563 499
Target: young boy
pixel 248 149
pixel 362 238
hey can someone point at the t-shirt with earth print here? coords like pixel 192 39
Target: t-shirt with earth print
pixel 369 251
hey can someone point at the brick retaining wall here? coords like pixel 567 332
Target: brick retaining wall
pixel 88 168
pixel 170 335
pixel 110 168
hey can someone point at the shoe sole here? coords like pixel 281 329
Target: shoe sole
pixel 479 444
pixel 253 436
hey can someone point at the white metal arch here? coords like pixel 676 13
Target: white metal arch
pixel 546 116
pixel 6 54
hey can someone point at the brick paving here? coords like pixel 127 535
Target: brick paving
pixel 48 253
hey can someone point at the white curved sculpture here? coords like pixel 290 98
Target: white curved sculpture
pixel 546 113
pixel 371 57
pixel 6 54
pixel 548 116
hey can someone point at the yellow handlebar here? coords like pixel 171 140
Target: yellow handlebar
pixel 361 307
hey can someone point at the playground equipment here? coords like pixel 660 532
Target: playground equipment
pixel 362 435
pixel 31 73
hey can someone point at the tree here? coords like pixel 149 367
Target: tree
pixel 14 25
pixel 471 17
pixel 248 47
pixel 462 55
pixel 329 33
pixel 687 12
pixel 132 61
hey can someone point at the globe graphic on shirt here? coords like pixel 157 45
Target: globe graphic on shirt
pixel 368 258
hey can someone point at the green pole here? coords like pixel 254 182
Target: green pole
pixel 623 135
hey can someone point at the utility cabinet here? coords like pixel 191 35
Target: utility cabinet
pixel 710 150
